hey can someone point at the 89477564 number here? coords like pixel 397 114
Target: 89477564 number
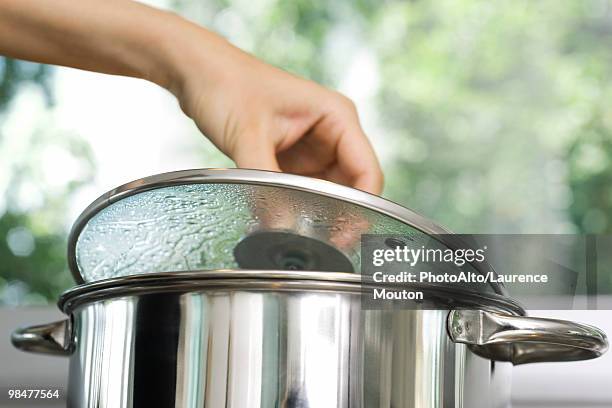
pixel 33 394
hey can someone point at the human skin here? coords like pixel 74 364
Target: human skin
pixel 260 116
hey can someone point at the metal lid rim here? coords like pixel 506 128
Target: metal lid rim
pixel 237 279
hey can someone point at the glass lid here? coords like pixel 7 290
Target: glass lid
pixel 232 219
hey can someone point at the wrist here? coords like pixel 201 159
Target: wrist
pixel 187 51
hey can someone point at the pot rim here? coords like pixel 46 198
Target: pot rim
pixel 231 279
pixel 264 178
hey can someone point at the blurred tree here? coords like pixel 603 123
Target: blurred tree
pixel 476 104
pixel 34 199
pixel 14 73
pixel 590 178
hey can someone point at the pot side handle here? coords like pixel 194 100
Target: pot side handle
pixel 51 338
pixel 523 340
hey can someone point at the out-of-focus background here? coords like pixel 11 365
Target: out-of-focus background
pixel 488 117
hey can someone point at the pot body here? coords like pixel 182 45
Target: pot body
pixel 249 348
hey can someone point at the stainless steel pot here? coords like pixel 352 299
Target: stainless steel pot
pixel 247 339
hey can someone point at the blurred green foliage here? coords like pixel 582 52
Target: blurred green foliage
pixel 489 116
pixel 33 267
pixel 14 74
pixel 485 111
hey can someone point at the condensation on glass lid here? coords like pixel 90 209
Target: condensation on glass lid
pixel 197 226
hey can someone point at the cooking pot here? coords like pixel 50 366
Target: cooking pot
pixel 259 337
pixel 291 339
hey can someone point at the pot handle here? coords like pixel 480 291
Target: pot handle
pixel 523 340
pixel 51 338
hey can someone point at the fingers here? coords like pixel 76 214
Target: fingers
pixel 309 155
pixel 355 156
pixel 335 148
pixel 355 163
pixel 255 152
pixel 322 139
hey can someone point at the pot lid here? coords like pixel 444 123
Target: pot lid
pixel 213 219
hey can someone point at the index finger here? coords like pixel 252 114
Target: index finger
pixel 357 160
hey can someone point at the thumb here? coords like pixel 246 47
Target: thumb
pixel 253 152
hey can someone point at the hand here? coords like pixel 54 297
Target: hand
pixel 265 118
pixel 260 116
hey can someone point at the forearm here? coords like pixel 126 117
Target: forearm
pixel 110 36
